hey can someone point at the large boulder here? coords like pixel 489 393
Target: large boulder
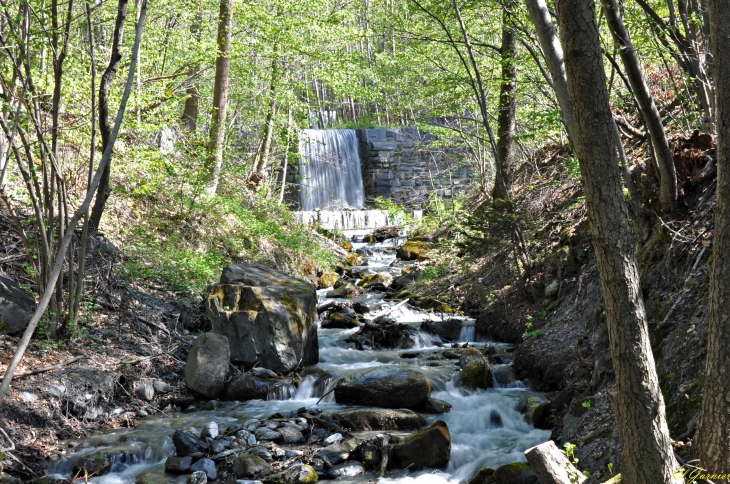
pixel 384 386
pixel 269 318
pixel 378 279
pixel 413 250
pixel 207 366
pixel 379 419
pixel 428 448
pixel 15 306
pixel 475 370
pixel 449 329
pixel 250 387
pixel 516 473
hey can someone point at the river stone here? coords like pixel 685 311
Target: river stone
pixel 346 291
pixel 197 477
pixel 248 387
pixel 207 466
pixel 209 430
pixel 450 330
pixel 263 373
pixel 187 444
pixel 516 473
pixel 207 365
pixel 385 386
pixel 504 374
pixel 262 452
pixel 379 278
pixel 95 465
pixel 249 465
pixel 379 419
pixel 434 405
pixel 428 448
pixel 475 375
pixel 15 306
pixel 288 435
pixel 162 387
pixel 413 250
pixel 534 409
pixel 269 318
pixel 178 464
pixel 341 320
pixel 332 439
pixel 346 469
pixel 338 452
pixel 265 433
pixel 484 476
pixel 297 473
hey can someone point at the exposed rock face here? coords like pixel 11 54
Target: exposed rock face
pixel 269 317
pixel 207 367
pixel 450 330
pixel 388 387
pixel 15 306
pixel 379 419
pixel 428 448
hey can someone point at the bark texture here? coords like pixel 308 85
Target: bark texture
pixel 507 97
pixel 104 129
pixel 551 466
pixel 220 95
pixel 647 455
pixel 713 437
pixel 553 53
pixel 649 111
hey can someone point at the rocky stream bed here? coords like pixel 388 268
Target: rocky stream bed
pixel 398 394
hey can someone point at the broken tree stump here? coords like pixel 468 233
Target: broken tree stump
pixel 551 466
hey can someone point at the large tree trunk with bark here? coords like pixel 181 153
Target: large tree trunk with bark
pixel 102 195
pixel 507 98
pixel 647 455
pixel 713 437
pixel 649 111
pixel 553 53
pixel 220 95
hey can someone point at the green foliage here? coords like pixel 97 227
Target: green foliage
pixel 537 333
pixel 586 404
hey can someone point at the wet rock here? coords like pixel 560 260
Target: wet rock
pixel 8 479
pixel 248 387
pixel 452 354
pixel 401 282
pixel 354 260
pixel 384 333
pixel 207 365
pixel 488 350
pixel 95 465
pixel 263 373
pixel 262 452
pixel 347 291
pixel 495 419
pixel 218 446
pixel 291 453
pixel 297 473
pixel 379 278
pixel 504 375
pixel 249 465
pixel 369 454
pixel 386 232
pixel 535 408
pixel 288 435
pixel 327 279
pixel 346 469
pixel 342 320
pixel 361 307
pixel 332 439
pixel 484 476
pixel 209 430
pixel 413 250
pixel 162 387
pixel 187 444
pixel 207 466
pixel 388 387
pixel 178 464
pixel 475 375
pixel 434 405
pixel 428 448
pixel 15 307
pixel 469 355
pixel 450 329
pixel 338 452
pixel 433 304
pixel 197 477
pixel 269 318
pixel 265 433
pixel 379 419
pixel 516 473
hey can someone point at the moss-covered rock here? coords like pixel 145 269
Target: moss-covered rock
pixel 95 465
pixel 428 448
pixel 484 476
pixel 385 386
pixel 414 250
pixel 354 259
pixel 515 473
pixel 249 465
pixel 535 408
pixel 347 291
pixel 379 278
pixel 433 304
pixel 295 474
pixel 341 319
pixel 476 374
pixel 328 279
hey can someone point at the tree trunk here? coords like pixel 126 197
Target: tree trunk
pixel 649 111
pixel 220 95
pixel 507 98
pixel 258 171
pixel 553 53
pixel 713 436
pixel 102 195
pixel 190 113
pixel 647 455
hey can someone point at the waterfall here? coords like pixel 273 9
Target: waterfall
pixel 330 169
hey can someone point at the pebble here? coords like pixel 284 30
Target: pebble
pixel 142 413
pixel 333 438
pixel 291 453
pixel 197 477
pixel 209 430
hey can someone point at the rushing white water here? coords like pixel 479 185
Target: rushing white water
pixel 330 169
pixel 347 219
pixel 486 428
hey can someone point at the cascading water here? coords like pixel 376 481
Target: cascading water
pixel 330 171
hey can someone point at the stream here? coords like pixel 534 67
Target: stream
pixel 486 428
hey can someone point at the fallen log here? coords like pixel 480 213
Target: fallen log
pixel 551 466
pixel 384 453
pixel 46 368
